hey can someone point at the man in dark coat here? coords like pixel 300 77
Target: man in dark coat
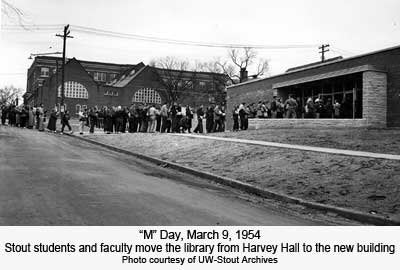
pixel 209 119
pixel 65 122
pixel 52 121
pixel 92 119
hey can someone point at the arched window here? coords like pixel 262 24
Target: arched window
pixel 77 108
pixel 74 90
pixel 147 95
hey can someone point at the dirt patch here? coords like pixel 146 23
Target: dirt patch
pixel 368 185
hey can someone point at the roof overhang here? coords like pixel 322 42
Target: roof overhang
pixel 327 75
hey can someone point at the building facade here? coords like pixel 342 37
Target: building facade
pixel 368 83
pixel 94 84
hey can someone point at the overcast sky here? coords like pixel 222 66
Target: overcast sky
pixel 351 27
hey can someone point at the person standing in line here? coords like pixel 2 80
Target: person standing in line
pixel 200 116
pixel 82 121
pixel 136 118
pixel 51 126
pixel 108 121
pixel 235 116
pixel 3 115
pixel 222 120
pixel 291 107
pixel 174 117
pixel 36 113
pixel 131 117
pixel 92 120
pixel 145 118
pixel 242 115
pixel 217 118
pixel 179 116
pixel 100 118
pixel 274 108
pixel 336 109
pixel 189 118
pixel 318 108
pixel 209 119
pixel 41 121
pixel 158 118
pixel 24 116
pixel 152 119
pixel 125 115
pixel 164 117
pixel 31 118
pixel 65 122
pixel 280 108
pixel 139 111
pixel 17 116
pixel 309 109
pixel 329 111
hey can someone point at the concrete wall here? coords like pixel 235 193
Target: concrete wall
pixel 306 123
pixel 375 98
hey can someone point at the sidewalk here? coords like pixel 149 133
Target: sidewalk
pixel 297 147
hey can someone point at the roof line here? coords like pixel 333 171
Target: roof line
pixel 133 77
pixel 317 66
pixel 86 61
pixel 191 71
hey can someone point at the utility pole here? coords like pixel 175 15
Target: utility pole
pixel 65 35
pixel 324 49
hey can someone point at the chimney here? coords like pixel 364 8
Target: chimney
pixel 243 75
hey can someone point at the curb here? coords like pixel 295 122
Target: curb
pixel 344 212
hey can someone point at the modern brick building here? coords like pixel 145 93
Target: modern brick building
pixel 90 84
pixel 370 81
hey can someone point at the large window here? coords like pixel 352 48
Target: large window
pixel 44 72
pixel 74 90
pixel 147 95
pixel 100 76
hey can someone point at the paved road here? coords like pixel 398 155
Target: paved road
pixel 48 179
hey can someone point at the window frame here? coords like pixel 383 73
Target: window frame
pixel 44 74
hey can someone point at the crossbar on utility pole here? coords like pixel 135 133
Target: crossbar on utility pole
pixel 324 49
pixel 65 35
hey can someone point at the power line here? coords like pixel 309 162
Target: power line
pixel 107 33
pixel 341 51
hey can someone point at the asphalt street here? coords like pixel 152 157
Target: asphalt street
pixel 53 179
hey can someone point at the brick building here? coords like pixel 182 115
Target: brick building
pixel 371 82
pixel 91 84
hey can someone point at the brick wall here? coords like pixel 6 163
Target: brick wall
pixel 375 98
pixel 73 72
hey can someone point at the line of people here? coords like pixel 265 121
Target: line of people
pixel 23 116
pixel 152 118
pixel 291 108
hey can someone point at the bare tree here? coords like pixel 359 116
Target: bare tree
pixel 173 75
pixel 221 74
pixel 8 94
pixel 240 60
